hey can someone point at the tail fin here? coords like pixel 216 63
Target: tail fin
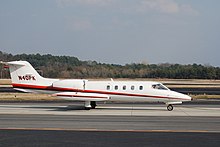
pixel 22 72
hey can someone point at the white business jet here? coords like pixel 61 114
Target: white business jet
pixel 25 78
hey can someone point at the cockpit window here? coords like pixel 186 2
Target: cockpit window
pixel 159 86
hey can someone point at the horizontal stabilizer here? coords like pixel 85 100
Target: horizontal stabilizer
pixel 79 96
pixel 1 62
pixel 13 63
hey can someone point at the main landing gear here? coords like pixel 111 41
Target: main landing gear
pixel 90 105
pixel 93 104
pixel 170 107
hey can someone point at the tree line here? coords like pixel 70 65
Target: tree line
pixel 71 67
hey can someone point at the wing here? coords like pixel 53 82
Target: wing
pixel 79 96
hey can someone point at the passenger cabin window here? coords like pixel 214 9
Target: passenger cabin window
pixel 108 87
pixel 116 87
pixel 159 86
pixel 132 87
pixel 124 87
pixel 141 87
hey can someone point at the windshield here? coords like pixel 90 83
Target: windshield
pixel 159 86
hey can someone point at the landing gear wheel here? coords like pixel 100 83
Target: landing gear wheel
pixel 93 104
pixel 169 107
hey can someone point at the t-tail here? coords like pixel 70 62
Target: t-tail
pixel 24 75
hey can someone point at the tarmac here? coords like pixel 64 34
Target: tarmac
pixel 68 124
pixel 130 109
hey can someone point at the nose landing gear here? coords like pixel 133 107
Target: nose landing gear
pixel 170 107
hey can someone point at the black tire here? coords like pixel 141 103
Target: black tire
pixel 93 104
pixel 170 107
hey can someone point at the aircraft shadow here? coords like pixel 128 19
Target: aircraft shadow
pixel 58 108
pixel 129 108
pixel 75 107
pixel 79 107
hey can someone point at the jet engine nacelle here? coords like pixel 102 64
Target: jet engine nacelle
pixel 76 84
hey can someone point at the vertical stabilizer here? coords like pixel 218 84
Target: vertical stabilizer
pixel 22 72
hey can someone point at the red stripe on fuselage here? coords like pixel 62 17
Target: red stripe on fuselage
pixel 38 87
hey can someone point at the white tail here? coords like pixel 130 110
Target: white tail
pixel 22 72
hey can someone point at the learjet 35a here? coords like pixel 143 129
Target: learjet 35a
pixel 26 79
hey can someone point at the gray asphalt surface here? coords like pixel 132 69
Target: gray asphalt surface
pixel 112 123
pixel 67 124
pixel 45 138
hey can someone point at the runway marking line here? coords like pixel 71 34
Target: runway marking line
pixel 106 130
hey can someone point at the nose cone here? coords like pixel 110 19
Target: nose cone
pixel 182 97
pixel 186 97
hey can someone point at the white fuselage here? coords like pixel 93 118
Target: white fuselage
pixel 116 90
